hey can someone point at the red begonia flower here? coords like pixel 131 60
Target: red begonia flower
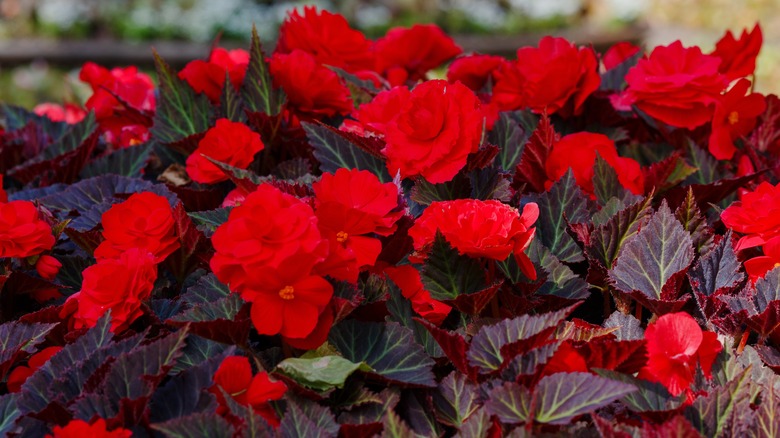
pixel 757 215
pixel 312 89
pixel 578 152
pixel 555 77
pixel 351 206
pixel 208 77
pixel 474 71
pixel 82 429
pixel 234 376
pixel 287 299
pixel 373 117
pixel 69 113
pixel 477 228
pixel 327 37
pixel 19 375
pixel 618 53
pixel 735 116
pixel 407 278
pixel 318 336
pixel 738 56
pixel 757 267
pixel 675 344
pixel 145 220
pixel 676 85
pixel 407 54
pixel 230 142
pixel 135 90
pixel 438 127
pixel 22 232
pixel 47 267
pixel 120 284
pixel 267 228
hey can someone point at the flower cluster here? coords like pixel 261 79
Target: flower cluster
pixel 324 239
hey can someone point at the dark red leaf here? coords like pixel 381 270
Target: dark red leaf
pixel 531 170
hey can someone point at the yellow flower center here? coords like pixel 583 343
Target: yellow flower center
pixel 733 117
pixel 341 237
pixel 287 293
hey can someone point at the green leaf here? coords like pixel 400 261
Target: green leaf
pixel 180 111
pixel 128 161
pixel 388 348
pixel 562 396
pixel 607 240
pixel 718 270
pixel 689 215
pixel 425 193
pixel 606 184
pixel 223 308
pixel 209 221
pixel 564 199
pixel 478 424
pixel 321 373
pixel 16 337
pixel 334 151
pixel 485 352
pixel 400 309
pixel 74 137
pixel 395 427
pixel 652 256
pixel 9 413
pixel 561 280
pixel 447 274
pixel 710 414
pixel 511 403
pixel 307 419
pixel 704 162
pixel 455 400
pixel 649 397
pixel 510 135
pixel 203 424
pixel 258 91
pixel 767 423
pixel 231 105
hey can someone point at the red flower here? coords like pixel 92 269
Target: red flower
pixel 555 77
pixel 474 71
pixel 352 205
pixel 676 85
pixel 757 267
pixel 232 143
pixel 234 197
pixel 267 228
pixel 19 375
pixel 738 57
pixel 318 336
pixel 675 344
pixel 234 376
pixel 407 278
pixel 618 53
pixel 311 88
pixel 70 113
pixel 119 284
pixel 47 267
pixel 286 299
pixel 438 127
pixel 578 152
pixel 82 429
pixel 144 220
pixel 735 116
pixel 209 76
pixel 22 232
pixel 406 54
pixel 135 90
pixel 757 215
pixel 327 37
pixel 374 116
pixel 477 228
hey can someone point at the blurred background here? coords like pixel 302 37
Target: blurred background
pixel 43 42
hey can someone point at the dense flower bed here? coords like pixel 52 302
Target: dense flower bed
pixel 326 242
